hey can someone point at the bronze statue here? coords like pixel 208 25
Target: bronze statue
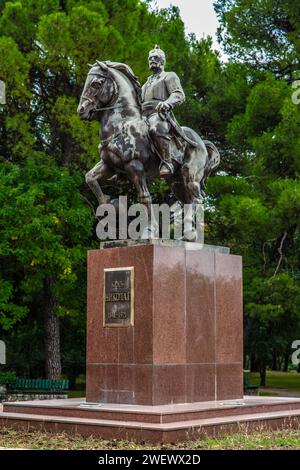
pixel 139 135
pixel 160 94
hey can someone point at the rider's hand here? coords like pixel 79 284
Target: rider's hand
pixel 163 107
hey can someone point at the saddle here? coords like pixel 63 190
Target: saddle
pixel 178 139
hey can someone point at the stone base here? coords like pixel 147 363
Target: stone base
pixel 154 424
pixel 186 344
pixel 189 246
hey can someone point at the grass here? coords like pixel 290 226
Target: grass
pixel 289 381
pixel 76 393
pixel 282 440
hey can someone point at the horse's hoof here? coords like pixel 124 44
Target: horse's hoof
pixel 149 233
pixel 104 200
pixel 190 236
pixel 166 170
pixel 145 200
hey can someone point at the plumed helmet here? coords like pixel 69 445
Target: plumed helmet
pixel 159 51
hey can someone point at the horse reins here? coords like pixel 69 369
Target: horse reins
pixel 114 97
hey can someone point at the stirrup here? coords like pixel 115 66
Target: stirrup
pixel 169 168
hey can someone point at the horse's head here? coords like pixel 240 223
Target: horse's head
pixel 100 90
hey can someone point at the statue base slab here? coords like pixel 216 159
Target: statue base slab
pixel 190 246
pixel 154 424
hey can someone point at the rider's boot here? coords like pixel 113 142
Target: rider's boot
pixel 166 166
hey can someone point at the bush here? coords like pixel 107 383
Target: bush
pixel 7 377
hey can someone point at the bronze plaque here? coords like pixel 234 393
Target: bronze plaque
pixel 118 297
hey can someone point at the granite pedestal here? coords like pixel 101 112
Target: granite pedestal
pixel 176 372
pixel 156 424
pixel 185 345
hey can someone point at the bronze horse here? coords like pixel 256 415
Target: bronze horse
pixel 112 94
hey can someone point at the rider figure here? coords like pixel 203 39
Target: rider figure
pixel 161 92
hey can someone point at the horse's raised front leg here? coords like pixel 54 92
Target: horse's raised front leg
pixel 100 172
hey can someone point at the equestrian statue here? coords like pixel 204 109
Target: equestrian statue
pixel 140 137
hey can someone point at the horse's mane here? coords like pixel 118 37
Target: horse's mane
pixel 128 72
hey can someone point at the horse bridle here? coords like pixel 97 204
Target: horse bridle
pixel 114 97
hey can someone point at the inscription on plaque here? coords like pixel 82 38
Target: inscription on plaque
pixel 118 298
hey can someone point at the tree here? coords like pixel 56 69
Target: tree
pixel 256 211
pixel 243 105
pixel 45 226
pixel 264 33
pixel 45 150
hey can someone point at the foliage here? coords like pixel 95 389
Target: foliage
pixel 243 105
pixel 264 33
pixel 7 377
pixel 258 211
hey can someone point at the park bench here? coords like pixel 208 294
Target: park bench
pixel 249 389
pixel 39 386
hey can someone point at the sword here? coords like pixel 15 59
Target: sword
pixel 178 130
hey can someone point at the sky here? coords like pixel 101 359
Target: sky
pixel 198 16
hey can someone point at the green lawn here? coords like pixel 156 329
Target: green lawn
pixel 79 391
pixel 76 393
pixel 287 439
pixel 283 380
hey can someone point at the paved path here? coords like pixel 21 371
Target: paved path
pixel 280 392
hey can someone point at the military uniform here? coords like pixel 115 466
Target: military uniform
pixel 162 87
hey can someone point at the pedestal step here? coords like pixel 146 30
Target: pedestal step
pixel 153 414
pixel 265 414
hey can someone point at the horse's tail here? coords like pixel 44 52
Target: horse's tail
pixel 213 161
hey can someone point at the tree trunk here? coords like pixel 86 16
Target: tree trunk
pixel 246 361
pixel 254 363
pixel 274 361
pixel 262 371
pixel 52 334
pixel 286 362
